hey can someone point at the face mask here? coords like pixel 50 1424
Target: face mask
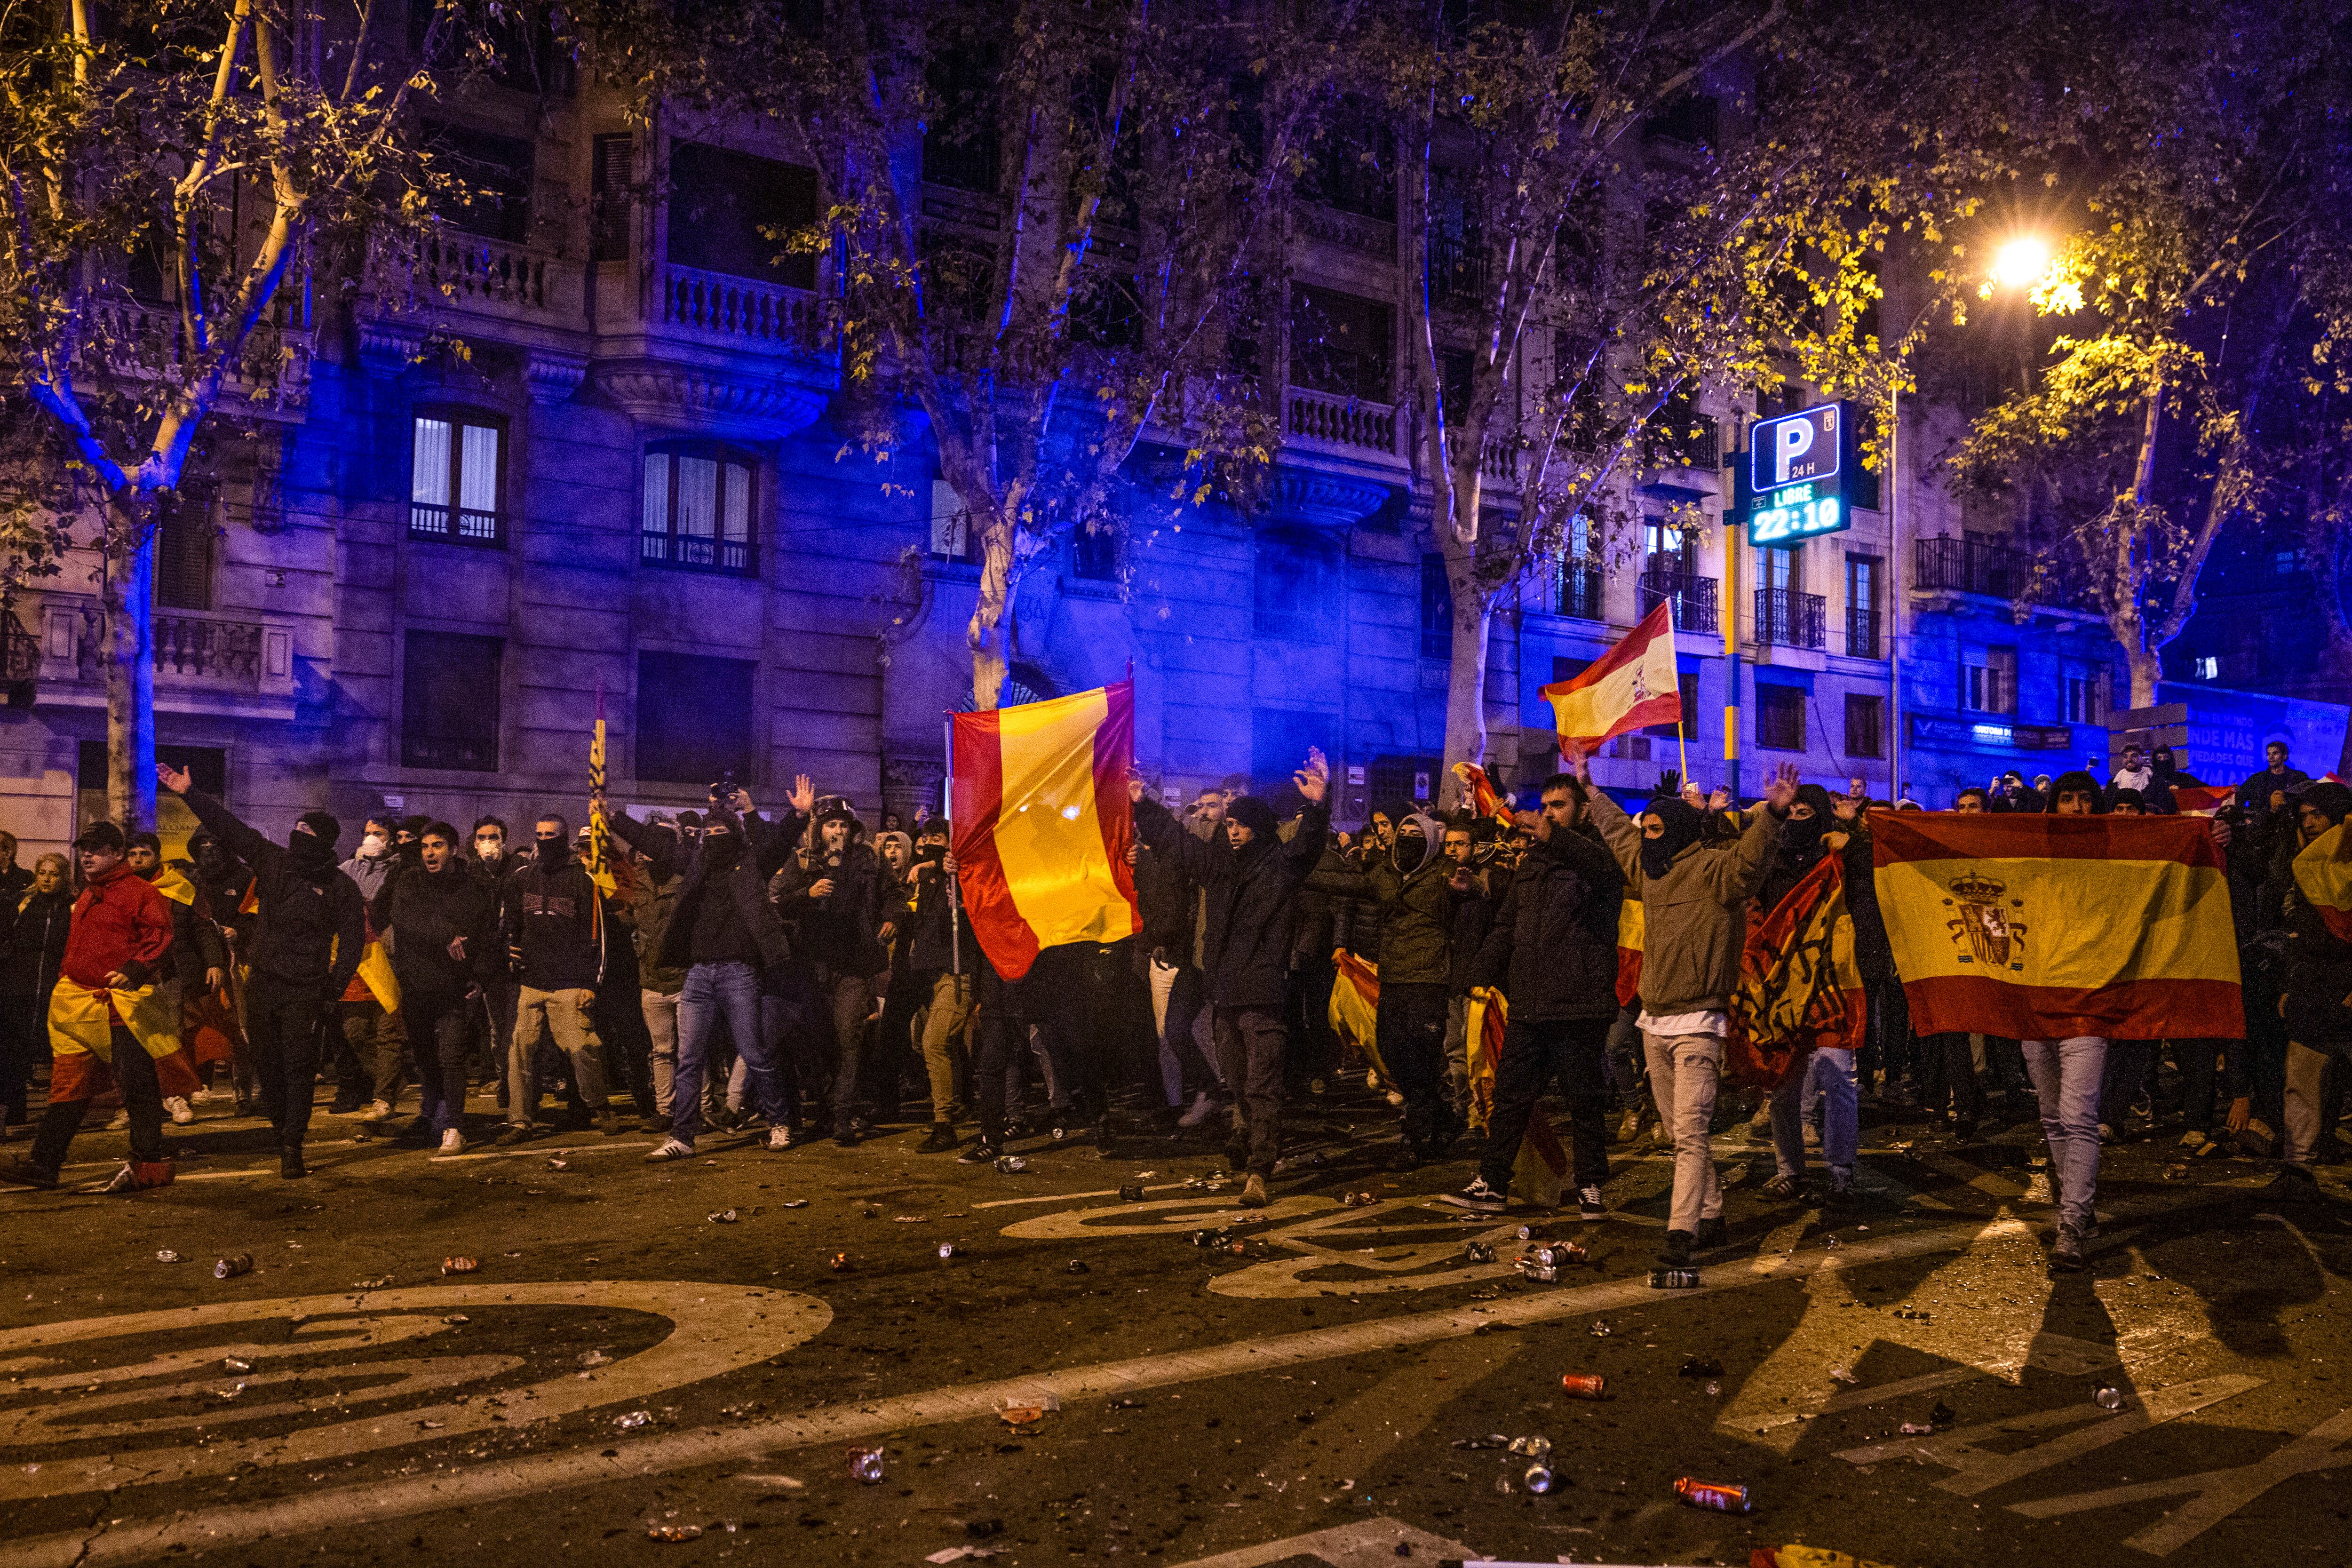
pixel 372 845
pixel 721 850
pixel 551 852
pixel 491 848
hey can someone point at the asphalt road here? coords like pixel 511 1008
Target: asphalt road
pixel 622 1362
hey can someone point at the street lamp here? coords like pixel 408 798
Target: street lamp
pixel 2020 263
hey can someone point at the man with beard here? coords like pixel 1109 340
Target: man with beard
pixel 1553 948
pixel 1252 881
pixel 1412 886
pixel 442 918
pixel 722 931
pixel 1695 896
pixel 2317 1003
pixel 306 948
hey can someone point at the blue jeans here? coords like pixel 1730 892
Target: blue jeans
pixel 2066 1075
pixel 712 989
pixel 1831 1072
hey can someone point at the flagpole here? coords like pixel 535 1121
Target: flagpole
pixel 955 935
pixel 1682 736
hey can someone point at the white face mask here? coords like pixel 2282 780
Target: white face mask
pixel 373 846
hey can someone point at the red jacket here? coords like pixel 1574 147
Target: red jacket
pixel 119 922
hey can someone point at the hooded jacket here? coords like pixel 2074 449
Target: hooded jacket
pixel 312 926
pixel 425 911
pixel 1801 848
pixel 1251 900
pixel 197 945
pixel 669 947
pixel 121 925
pixel 1416 901
pixel 1553 943
pixel 1694 908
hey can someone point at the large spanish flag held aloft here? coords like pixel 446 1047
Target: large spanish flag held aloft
pixel 2323 870
pixel 2044 927
pixel 1630 685
pixel 1042 825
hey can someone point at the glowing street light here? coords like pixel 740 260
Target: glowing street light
pixel 2020 263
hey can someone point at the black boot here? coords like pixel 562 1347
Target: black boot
pixel 289 1164
pixel 942 1138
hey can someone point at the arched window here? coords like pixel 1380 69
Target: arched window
pixel 698 502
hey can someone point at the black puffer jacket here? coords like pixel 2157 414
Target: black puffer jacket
pixel 312 926
pixel 843 930
pixel 1417 902
pixel 2319 976
pixel 1553 945
pixel 35 945
pixel 1253 896
pixel 425 911
pixel 671 857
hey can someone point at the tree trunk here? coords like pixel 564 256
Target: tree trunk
pixel 991 656
pixel 1474 614
pixel 127 658
pixel 2146 669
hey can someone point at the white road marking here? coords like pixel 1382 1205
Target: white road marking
pixel 1365 1543
pixel 377 1500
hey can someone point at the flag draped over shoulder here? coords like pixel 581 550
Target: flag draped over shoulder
pixel 1042 824
pixel 1632 685
pixel 1540 1168
pixel 2040 928
pixel 1479 794
pixel 1800 989
pixel 2325 879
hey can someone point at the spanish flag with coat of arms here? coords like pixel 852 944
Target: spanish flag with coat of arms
pixel 2040 928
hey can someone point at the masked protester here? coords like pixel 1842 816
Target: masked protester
pixel 2318 981
pixel 306 947
pixel 30 954
pixel 1694 897
pixel 554 920
pixel 442 916
pixel 1251 882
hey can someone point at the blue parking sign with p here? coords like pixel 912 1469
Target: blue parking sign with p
pixel 1793 449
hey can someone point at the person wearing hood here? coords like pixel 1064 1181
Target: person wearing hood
pixel 553 915
pixel 307 944
pixel 1816 830
pixel 1252 881
pixel 835 894
pixel 440 919
pixel 1694 897
pixel 1552 947
pixel 2317 1001
pixel 2067 1077
pixel 1414 887
pixel 198 959
pixel 722 932
pixel 30 952
pixel 2165 775
pixel 942 958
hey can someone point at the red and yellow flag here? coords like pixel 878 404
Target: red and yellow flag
pixel 1630 933
pixel 2323 871
pixel 1800 989
pixel 598 862
pixel 1479 794
pixel 2040 928
pixel 1042 823
pixel 1632 686
pixel 1354 1006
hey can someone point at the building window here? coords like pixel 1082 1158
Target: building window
pixel 457 477
pixel 953 535
pixel 491 176
pixel 1293 592
pixel 183 548
pixel 450 702
pixel 1780 718
pixel 1862 625
pixel 2206 667
pixel 609 208
pixel 1094 554
pixel 2285 562
pixel 1341 344
pixel 1865 725
pixel 729 210
pixel 695 719
pixel 1686 688
pixel 1436 609
pixel 1989 679
pixel 2083 697
pixel 697 509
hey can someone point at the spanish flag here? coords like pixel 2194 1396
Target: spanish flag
pixel 1355 1007
pixel 2322 872
pixel 1042 824
pixel 1632 685
pixel 1799 988
pixel 1630 931
pixel 2044 927
pixel 1479 794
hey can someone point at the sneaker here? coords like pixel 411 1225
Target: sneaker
pixel 290 1167
pixel 1253 1192
pixel 24 1174
pixel 2193 1141
pixel 377 1111
pixel 181 1112
pixel 671 1149
pixel 1588 1206
pixel 779 1138
pixel 1478 1198
pixel 609 1124
pixel 796 1134
pixel 846 1136
pixel 515 1133
pixel 1204 1106
pixel 2106 1133
pixel 1842 1195
pixel 1677 1252
pixel 2066 1255
pixel 982 1152
pixel 1784 1188
pixel 453 1142
pixel 1103 1137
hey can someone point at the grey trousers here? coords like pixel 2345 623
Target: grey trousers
pixel 2066 1075
pixel 1684 1070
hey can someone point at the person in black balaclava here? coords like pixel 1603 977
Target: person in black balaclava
pixel 1411 884
pixel 1801 846
pixel 2165 775
pixel 307 945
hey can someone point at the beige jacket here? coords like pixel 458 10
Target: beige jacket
pixel 1695 918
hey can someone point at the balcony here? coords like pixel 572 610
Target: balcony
pixel 696 551
pixel 1862 634
pixel 1973 565
pixel 1692 596
pixel 457 525
pixel 1458 269
pixel 204 660
pixel 1365 236
pixel 483 274
pixel 1787 618
pixel 1352 425
pixel 1580 587
pixel 745 311
pixel 134 342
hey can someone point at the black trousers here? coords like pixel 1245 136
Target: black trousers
pixel 142 1097
pixel 1537 1052
pixel 1410 1028
pixel 282 1021
pixel 619 1011
pixel 1948 1070
pixel 1250 1047
pixel 440 1035
pixel 24 1036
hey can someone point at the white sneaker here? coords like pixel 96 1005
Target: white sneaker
pixel 671 1149
pixel 122 1120
pixel 453 1142
pixel 180 1112
pixel 1200 1111
pixel 377 1111
pixel 779 1137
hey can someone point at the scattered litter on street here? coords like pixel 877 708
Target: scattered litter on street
pixel 2109 1397
pixel 958 1554
pixel 377 1283
pixel 594 1358
pixel 634 1419
pixel 235 1364
pixel 673 1533
pixel 796 1203
pixel 840 1262
pixel 866 1465
pixel 168 1256
pixel 723 1217
pixel 1024 1409
pixel 460 1265
pixel 947 1251
pixel 1585 1384
pixel 1674 1279
pixel 234 1267
pixel 1010 1165
pixel 1720 1496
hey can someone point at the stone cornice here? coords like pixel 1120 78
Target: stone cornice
pixel 694 398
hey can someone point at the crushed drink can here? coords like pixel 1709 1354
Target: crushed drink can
pixel 947 1251
pixel 1538 1479
pixel 1585 1385
pixel 1010 1165
pixel 1720 1496
pixel 233 1267
pixel 840 1261
pixel 1674 1279
pixel 167 1256
pixel 2109 1397
pixel 1536 1448
pixel 866 1465
pixel 1477 1252
pixel 722 1216
pixel 460 1265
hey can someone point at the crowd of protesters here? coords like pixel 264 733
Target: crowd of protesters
pixel 811 973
